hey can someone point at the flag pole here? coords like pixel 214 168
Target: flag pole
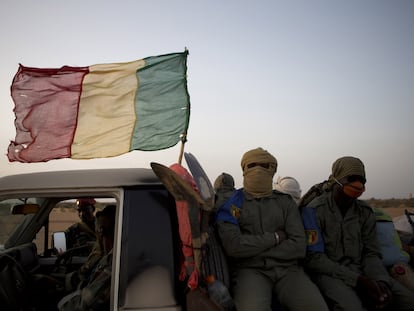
pixel 184 135
pixel 183 141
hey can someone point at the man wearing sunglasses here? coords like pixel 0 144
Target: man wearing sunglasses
pixel 343 256
pixel 263 236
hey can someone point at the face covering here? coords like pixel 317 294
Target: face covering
pixel 353 189
pixel 258 180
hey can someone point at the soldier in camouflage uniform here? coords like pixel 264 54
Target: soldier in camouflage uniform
pixel 75 279
pixel 83 232
pixel 95 295
pixel 342 253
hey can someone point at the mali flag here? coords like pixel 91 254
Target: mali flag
pixel 100 111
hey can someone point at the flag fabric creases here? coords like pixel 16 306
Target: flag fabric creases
pixel 99 111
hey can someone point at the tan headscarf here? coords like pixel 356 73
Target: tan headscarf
pixel 346 166
pixel 257 179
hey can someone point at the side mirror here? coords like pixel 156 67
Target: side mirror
pixel 59 242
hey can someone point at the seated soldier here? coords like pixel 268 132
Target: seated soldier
pixel 263 237
pixel 343 254
pixel 76 278
pixel 97 290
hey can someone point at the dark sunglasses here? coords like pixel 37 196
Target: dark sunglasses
pixel 353 178
pixel 264 165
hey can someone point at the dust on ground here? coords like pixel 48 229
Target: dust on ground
pixel 397 211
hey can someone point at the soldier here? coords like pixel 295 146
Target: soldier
pixel 224 188
pixel 79 277
pixel 290 186
pixel 342 253
pixel 95 295
pixel 263 235
pixel 83 232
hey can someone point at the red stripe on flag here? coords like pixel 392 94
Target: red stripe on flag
pixel 50 95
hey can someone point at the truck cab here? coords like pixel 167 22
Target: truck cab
pixel 36 207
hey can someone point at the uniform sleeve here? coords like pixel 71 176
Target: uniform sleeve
pixel 97 293
pixel 94 296
pixel 371 260
pixel 320 263
pixel 235 243
pixel 243 245
pixel 316 259
pixel 294 247
pixel 93 258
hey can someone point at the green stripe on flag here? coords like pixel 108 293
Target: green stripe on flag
pixel 162 102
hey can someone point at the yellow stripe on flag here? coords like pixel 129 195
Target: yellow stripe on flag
pixel 107 115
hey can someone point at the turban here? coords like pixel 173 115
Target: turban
pixel 258 166
pixel 347 166
pixel 258 155
pixel 290 186
pixel 344 167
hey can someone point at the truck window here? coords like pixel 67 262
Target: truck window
pixel 149 237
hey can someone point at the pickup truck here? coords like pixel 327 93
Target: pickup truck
pixel 146 252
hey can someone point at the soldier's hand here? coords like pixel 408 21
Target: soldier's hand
pixel 386 293
pixel 282 235
pixel 376 294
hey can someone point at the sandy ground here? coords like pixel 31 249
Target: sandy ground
pixel 60 220
pixel 398 211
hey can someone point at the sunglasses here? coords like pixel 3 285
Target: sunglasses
pixel 264 165
pixel 353 178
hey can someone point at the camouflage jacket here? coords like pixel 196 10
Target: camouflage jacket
pixel 96 294
pixel 80 234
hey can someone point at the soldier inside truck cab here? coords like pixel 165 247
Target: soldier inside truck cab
pixel 96 292
pixel 83 233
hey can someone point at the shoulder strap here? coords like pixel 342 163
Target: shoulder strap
pixel 315 191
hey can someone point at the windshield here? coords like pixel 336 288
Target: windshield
pixel 37 225
pixel 8 221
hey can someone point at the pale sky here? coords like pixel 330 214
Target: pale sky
pixel 309 81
